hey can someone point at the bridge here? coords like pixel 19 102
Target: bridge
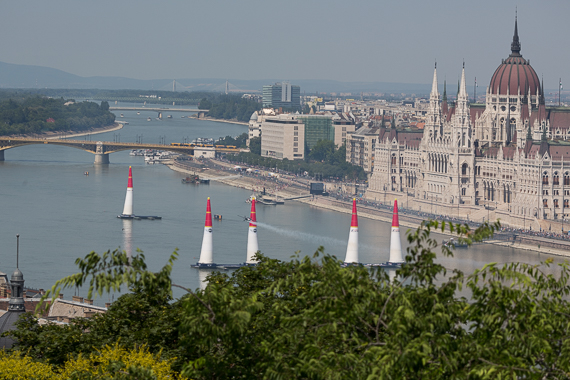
pixel 102 149
pixel 157 109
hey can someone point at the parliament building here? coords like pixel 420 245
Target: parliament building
pixel 508 159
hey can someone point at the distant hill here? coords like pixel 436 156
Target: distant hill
pixel 27 76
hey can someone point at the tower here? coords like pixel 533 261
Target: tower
pixel 461 131
pixel 433 116
pixel 16 306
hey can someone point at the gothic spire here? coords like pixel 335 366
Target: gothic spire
pixel 434 91
pixel 444 91
pixel 542 92
pixel 516 45
pixel 463 87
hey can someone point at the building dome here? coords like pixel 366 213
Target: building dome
pixel 515 73
pixel 253 116
pixel 17 275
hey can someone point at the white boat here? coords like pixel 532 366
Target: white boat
pixel 148 119
pixel 122 115
pixel 158 157
pixel 169 117
pixel 138 113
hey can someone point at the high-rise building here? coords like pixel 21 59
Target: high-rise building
pixel 282 95
pixel 283 136
pixel 317 127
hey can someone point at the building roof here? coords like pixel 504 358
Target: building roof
pixel 8 323
pixel 515 73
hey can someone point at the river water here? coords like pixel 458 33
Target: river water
pixel 62 214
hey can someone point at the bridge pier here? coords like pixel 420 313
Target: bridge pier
pixel 1 155
pixel 101 158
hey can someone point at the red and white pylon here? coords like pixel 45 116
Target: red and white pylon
pixel 252 245
pixel 207 255
pixel 395 243
pixel 352 248
pixel 128 208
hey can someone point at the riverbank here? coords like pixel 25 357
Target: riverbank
pixel 290 187
pixel 64 135
pixel 56 135
pixel 207 118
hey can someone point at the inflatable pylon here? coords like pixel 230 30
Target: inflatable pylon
pixel 252 245
pixel 128 208
pixel 352 248
pixel 206 255
pixel 395 243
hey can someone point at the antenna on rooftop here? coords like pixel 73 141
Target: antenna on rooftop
pixel 17 250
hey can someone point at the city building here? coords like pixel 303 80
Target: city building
pixel 508 159
pixel 282 95
pixel 361 146
pixel 343 124
pixel 283 136
pixel 317 127
pixel 279 141
pixel 255 122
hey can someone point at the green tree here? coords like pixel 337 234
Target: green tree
pixel 313 318
pixel 205 104
pixel 322 151
pixel 255 145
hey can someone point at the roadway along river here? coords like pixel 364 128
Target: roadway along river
pixel 62 214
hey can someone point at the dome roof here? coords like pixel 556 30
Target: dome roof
pixel 515 72
pixel 8 323
pixel 253 116
pixel 17 275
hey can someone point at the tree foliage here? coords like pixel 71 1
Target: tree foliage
pixel 313 318
pixel 231 107
pixel 238 141
pixel 333 167
pixel 255 145
pixel 111 362
pixel 34 114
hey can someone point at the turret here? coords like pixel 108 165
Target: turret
pixel 17 296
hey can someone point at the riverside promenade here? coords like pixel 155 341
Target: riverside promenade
pixel 288 186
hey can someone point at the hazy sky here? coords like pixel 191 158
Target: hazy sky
pixel 367 40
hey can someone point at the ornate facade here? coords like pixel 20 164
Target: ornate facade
pixel 508 159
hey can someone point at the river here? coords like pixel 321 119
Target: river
pixel 62 214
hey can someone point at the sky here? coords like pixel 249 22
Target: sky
pixel 348 41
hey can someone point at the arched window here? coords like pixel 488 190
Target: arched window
pixel 464 169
